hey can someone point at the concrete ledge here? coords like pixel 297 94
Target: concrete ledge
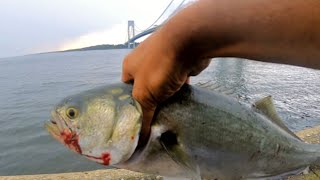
pixel 108 174
pixel 311 135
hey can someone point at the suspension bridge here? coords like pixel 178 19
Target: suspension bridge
pixel 135 33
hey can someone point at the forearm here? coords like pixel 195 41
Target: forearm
pixel 286 31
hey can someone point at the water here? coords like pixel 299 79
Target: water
pixel 31 85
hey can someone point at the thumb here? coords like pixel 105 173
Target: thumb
pixel 126 75
pixel 126 78
pixel 188 80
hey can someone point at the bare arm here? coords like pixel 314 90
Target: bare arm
pixel 286 31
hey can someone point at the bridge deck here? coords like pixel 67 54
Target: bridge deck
pixel 144 33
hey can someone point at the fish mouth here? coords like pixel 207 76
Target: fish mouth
pixel 53 129
pixel 64 135
pixel 72 143
pixel 55 125
pixel 53 122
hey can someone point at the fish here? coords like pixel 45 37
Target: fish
pixel 195 134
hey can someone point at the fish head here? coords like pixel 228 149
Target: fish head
pixel 102 124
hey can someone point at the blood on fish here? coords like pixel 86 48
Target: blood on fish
pixel 106 158
pixel 71 140
pixel 66 136
pixel 132 137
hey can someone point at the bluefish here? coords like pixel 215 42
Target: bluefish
pixel 195 134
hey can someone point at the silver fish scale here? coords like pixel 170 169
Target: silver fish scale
pixel 225 139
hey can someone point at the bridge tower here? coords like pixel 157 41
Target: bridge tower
pixel 131 33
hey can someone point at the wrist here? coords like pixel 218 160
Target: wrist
pixel 186 39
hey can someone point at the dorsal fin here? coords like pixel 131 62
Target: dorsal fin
pixel 265 105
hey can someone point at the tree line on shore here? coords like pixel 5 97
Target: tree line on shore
pixel 103 47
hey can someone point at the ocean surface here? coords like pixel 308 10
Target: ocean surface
pixel 31 85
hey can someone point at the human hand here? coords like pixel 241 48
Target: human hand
pixel 161 64
pixel 157 74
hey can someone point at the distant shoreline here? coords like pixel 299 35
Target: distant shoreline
pixel 96 47
pixel 99 47
pixel 89 48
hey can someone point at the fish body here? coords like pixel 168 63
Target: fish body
pixel 195 134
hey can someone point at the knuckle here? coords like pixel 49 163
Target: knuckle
pixel 127 72
pixel 144 98
pixel 125 62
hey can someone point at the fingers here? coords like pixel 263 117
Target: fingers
pixel 127 78
pixel 126 75
pixel 142 95
pixel 188 80
pixel 146 127
pixel 199 67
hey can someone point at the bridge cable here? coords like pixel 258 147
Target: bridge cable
pixel 174 12
pixel 137 28
pixel 177 9
pixel 161 14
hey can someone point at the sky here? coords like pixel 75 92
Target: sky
pixel 35 26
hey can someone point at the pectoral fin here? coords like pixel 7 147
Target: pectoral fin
pixel 176 151
pixel 266 106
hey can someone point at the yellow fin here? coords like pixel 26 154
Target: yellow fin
pixel 266 106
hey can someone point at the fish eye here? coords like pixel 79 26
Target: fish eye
pixel 72 113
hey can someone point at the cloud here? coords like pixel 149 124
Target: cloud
pixel 35 26
pixel 114 35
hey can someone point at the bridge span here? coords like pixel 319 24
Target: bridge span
pixel 144 33
pixel 132 37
